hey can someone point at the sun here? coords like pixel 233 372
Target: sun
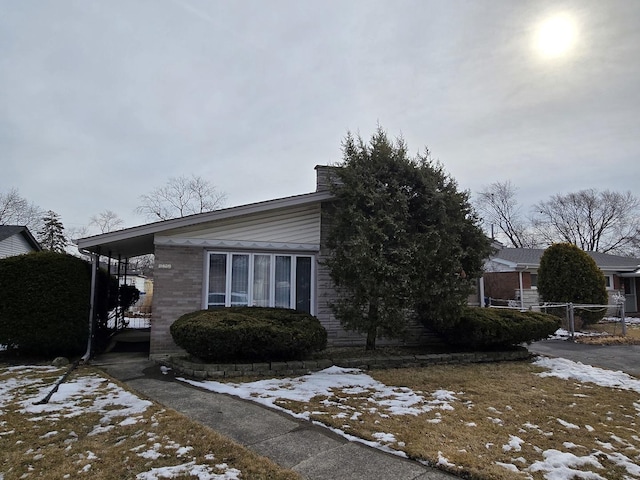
pixel 555 36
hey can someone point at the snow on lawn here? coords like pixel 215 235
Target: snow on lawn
pixel 566 369
pixel 333 382
pixel 380 398
pixel 627 320
pixel 562 334
pixel 22 387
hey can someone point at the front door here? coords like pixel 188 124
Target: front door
pixel 630 304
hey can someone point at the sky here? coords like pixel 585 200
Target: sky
pixel 101 102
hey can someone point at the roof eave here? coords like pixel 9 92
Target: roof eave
pixel 121 242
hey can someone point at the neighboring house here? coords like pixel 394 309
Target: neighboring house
pixel 144 285
pixel 261 254
pixel 512 274
pixel 16 240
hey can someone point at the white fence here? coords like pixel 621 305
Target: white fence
pixel 130 322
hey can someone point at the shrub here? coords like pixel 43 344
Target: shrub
pixel 249 334
pixel 44 306
pixel 486 328
pixel 568 274
pixel 129 295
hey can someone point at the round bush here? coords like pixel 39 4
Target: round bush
pixel 488 328
pixel 249 334
pixel 568 274
pixel 44 305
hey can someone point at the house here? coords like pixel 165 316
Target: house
pixel 144 285
pixel 511 274
pixel 261 254
pixel 16 240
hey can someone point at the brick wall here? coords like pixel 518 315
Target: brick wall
pixel 178 284
pixel 503 285
pixel 325 176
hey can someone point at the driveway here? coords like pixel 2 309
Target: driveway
pixel 612 357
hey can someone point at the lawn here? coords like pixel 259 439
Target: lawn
pixel 548 419
pixel 551 419
pixel 93 427
pixel 613 330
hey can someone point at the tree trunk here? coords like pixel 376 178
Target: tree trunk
pixel 372 331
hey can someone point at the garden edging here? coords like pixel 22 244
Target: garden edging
pixel 203 371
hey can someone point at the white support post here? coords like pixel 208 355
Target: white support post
pixel 521 291
pixel 571 312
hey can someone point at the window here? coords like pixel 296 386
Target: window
pixel 608 282
pixel 534 280
pixel 260 279
pixel 239 280
pixel 217 280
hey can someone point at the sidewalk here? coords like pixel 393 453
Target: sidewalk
pixel 314 452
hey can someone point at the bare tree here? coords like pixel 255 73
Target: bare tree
pixel 607 222
pixel 16 210
pixel 106 221
pixel 142 264
pixel 179 197
pixel 499 208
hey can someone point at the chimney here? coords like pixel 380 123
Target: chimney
pixel 325 176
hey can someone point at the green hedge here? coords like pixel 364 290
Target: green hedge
pixel 44 303
pixel 487 328
pixel 568 274
pixel 249 334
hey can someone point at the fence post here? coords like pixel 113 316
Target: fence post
pixel 571 313
pixel 624 323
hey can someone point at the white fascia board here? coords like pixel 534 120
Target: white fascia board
pixel 504 262
pixel 635 273
pixel 619 269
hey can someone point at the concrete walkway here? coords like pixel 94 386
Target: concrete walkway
pixel 625 358
pixel 314 452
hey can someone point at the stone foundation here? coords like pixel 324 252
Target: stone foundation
pixel 202 371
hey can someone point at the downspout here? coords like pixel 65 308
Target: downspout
pixel 521 289
pixel 94 268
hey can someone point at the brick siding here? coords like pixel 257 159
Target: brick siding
pixel 177 290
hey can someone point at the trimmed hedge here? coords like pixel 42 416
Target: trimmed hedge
pixel 44 303
pixel 487 328
pixel 249 334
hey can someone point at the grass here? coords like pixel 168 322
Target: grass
pixel 496 403
pixel 67 443
pixel 614 334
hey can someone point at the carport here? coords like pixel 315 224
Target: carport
pixel 119 246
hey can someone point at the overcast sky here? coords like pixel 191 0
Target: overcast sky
pixel 101 101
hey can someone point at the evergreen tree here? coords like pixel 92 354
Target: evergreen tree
pixel 51 236
pixel 402 238
pixel 569 274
